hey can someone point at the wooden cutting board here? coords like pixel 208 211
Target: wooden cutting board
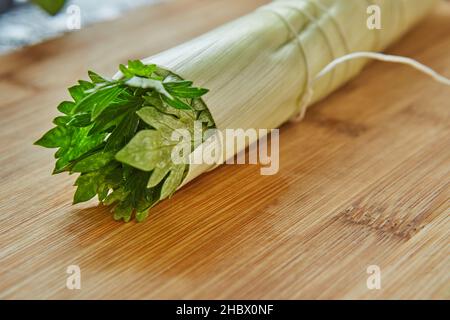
pixel 364 181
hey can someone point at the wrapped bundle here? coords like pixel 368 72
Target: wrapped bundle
pixel 118 133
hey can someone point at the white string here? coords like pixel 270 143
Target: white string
pixel 308 94
pixel 307 97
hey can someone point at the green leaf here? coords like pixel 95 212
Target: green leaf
pixel 166 124
pixel 206 118
pixel 137 68
pixel 102 192
pixel 114 178
pixel 75 144
pixel 186 115
pixel 123 211
pixel 77 93
pixel 198 105
pixel 142 215
pixel 86 85
pixel 87 187
pixel 50 6
pixel 115 196
pixel 175 103
pixel 146 150
pixel 104 100
pixel 95 78
pixel 140 69
pixel 178 84
pixel 109 118
pixel 173 181
pixel 80 120
pixel 125 71
pixel 66 107
pixel 98 100
pixel 61 120
pixel 54 138
pixel 159 174
pixel 185 92
pixel 93 162
pixel 124 131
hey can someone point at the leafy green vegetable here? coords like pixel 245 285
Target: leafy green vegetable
pixel 117 134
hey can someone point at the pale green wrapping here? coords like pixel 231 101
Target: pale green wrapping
pixel 257 69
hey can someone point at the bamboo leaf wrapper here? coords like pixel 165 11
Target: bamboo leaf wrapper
pixel 255 69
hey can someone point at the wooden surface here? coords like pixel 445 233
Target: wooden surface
pixel 364 180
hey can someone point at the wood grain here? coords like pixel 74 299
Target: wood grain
pixel 364 180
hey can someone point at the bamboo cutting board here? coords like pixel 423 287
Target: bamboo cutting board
pixel 363 181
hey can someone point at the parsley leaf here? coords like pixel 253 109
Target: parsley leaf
pixel 117 135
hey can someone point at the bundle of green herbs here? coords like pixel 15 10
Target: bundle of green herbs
pixel 117 135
